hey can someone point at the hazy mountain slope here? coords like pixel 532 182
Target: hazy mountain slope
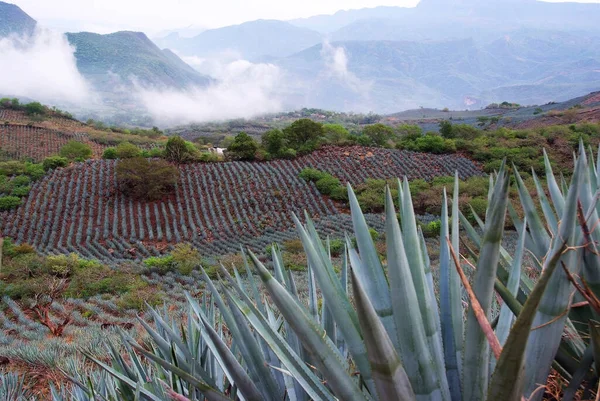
pixel 330 23
pixel 439 19
pixel 13 20
pixel 133 57
pixel 250 40
pixel 387 76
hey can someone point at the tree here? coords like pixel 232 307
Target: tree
pixel 75 150
pixel 126 150
pixel 273 141
pixel 35 108
pixel 53 162
pixel 446 129
pixel 109 154
pixel 335 133
pixel 146 179
pixel 379 133
pixel 244 147
pixel 180 151
pixel 303 134
pixel 409 132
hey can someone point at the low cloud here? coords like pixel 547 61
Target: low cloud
pixel 241 89
pixel 336 62
pixel 42 67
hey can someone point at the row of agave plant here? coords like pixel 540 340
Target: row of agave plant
pixel 378 330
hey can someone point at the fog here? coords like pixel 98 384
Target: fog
pixel 336 62
pixel 41 67
pixel 241 89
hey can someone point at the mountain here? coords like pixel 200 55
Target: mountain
pixel 331 23
pixel 439 19
pixel 133 58
pixel 250 40
pixel 528 67
pixel 13 20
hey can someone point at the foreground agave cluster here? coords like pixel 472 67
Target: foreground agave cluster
pixel 396 335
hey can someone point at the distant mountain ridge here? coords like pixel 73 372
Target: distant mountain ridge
pixel 134 58
pixel 13 20
pixel 115 62
pixel 251 40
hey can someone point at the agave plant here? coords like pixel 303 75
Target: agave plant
pixel 390 338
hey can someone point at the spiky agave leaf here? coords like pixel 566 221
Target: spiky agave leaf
pixel 448 315
pixel 509 379
pixel 552 314
pixel 391 380
pixel 314 339
pixel 427 303
pixel 476 359
pixel 337 299
pixel 414 349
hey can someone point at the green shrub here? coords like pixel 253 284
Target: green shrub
pixel 288 153
pixel 20 191
pixel 186 258
pixel 146 178
pixel 479 205
pixel 312 174
pixel 126 150
pixel 336 247
pixel 139 297
pixel 163 264
pixel 109 154
pixel 54 162
pixel 327 185
pixel 75 150
pixel 432 229
pixel 293 246
pixel 35 108
pixel 9 202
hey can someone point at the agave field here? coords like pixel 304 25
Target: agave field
pixel 216 206
pixel 35 143
pixel 356 164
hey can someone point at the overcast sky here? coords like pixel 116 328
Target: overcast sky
pixel 153 16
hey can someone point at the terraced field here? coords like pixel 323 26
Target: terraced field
pixel 216 206
pixel 37 143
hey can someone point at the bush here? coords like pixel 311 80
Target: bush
pixel 54 162
pixel 126 150
pixel 293 246
pixel 163 264
pixel 327 185
pixel 379 134
pixel 303 135
pixel 109 154
pixel 9 202
pixel 479 205
pixel 35 108
pixel 432 229
pixel 139 297
pixel 243 147
pixel 273 141
pixel 288 153
pixel 180 151
pixel 312 174
pixel 186 257
pixel 20 191
pixel 146 179
pixel 75 150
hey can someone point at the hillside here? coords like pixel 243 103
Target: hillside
pixel 216 206
pixel 527 68
pixel 134 58
pixel 14 21
pixel 25 137
pixel 250 40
